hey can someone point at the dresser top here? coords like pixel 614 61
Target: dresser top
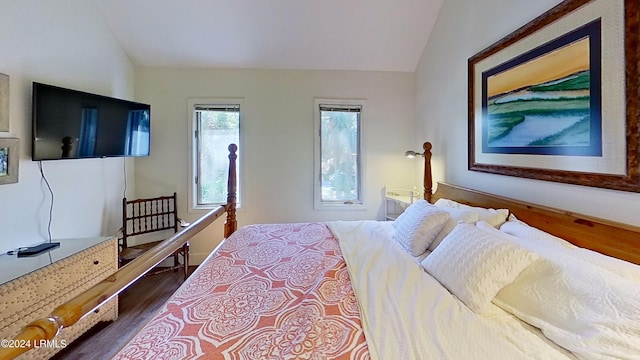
pixel 13 267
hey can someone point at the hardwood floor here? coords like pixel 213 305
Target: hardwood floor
pixel 136 305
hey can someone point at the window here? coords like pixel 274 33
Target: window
pixel 339 159
pixel 215 125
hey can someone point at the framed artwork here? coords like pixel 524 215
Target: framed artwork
pixel 4 102
pixel 557 100
pixel 9 159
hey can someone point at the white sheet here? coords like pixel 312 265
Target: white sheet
pixel 428 322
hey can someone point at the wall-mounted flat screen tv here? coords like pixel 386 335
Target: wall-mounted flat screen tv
pixel 71 124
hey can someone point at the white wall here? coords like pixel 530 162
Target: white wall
pixel 463 28
pixel 67 45
pixel 277 129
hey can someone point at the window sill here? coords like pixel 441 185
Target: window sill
pixel 201 209
pixel 339 206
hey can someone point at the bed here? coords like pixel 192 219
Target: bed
pixel 466 275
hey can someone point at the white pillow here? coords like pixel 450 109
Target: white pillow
pixel 455 216
pixel 474 265
pixel 543 247
pixel 585 309
pixel 418 226
pixel 524 231
pixel 539 238
pixel 491 216
pixel 582 307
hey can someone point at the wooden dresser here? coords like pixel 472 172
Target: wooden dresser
pixel 31 287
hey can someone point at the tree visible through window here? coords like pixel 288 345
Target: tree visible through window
pixel 217 126
pixel 340 160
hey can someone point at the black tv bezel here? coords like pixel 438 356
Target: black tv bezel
pixel 34 119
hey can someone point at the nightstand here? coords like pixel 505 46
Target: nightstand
pixel 397 200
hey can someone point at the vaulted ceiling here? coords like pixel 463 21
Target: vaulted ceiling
pixel 377 35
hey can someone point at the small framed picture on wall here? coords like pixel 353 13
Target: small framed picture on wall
pixel 9 158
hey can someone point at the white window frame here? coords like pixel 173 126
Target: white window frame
pixel 194 207
pixel 318 204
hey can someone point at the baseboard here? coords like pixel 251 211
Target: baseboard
pixel 197 258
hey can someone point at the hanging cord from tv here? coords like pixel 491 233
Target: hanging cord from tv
pixel 51 204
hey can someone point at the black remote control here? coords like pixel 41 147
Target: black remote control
pixel 35 250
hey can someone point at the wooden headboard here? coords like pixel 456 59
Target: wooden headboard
pixel 611 238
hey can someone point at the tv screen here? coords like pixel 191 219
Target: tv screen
pixel 71 124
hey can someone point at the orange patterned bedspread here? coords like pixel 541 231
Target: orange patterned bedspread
pixel 275 291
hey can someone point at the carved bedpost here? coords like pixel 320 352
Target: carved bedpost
pixel 231 224
pixel 428 181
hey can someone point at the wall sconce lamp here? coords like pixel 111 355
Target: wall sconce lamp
pixel 427 180
pixel 411 154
